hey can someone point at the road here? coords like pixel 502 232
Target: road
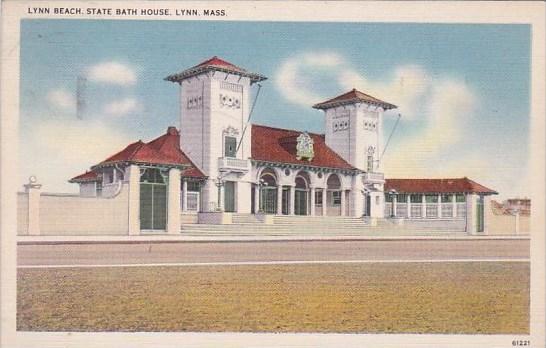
pixel 279 251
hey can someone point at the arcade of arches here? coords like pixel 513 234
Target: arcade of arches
pixel 299 197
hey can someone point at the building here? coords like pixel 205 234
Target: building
pixel 218 163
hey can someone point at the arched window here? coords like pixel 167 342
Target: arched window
pixel 268 192
pixel 301 183
pixel 333 182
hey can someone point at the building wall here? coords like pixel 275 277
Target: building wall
pixel 88 189
pixel 364 129
pixel 74 215
pixel 505 224
pixel 437 224
pixel 22 213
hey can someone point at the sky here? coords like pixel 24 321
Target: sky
pixel 462 90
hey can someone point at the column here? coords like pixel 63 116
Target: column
pixel 279 200
pixel 221 202
pixel 173 202
pixel 134 200
pixel 324 203
pixel 471 213
pixel 312 207
pixel 184 196
pixel 408 205
pixel 486 214
pixel 454 205
pixel 439 206
pixel 343 202
pixel 256 199
pixel 394 207
pixel 33 194
pixel 291 201
pixel 423 206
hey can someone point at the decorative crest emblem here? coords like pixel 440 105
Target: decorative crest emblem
pixel 304 148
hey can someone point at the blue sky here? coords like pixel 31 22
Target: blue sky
pixel 463 90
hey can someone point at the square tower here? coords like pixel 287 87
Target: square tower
pixel 214 112
pixel 354 128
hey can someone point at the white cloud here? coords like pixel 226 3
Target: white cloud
pixel 56 151
pixel 122 107
pixel 292 83
pixel 112 73
pixel 439 106
pixel 61 99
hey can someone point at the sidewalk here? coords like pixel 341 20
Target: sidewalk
pixel 23 240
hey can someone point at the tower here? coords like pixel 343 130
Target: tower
pixel 354 128
pixel 214 110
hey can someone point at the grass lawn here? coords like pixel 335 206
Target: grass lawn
pixel 487 298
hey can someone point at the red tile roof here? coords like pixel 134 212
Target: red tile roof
pixel 164 150
pixel 279 145
pixel 217 64
pixel 351 97
pixel 88 176
pixel 458 185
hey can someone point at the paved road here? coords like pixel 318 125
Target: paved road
pixel 150 253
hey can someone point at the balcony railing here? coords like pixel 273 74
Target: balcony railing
pixel 229 164
pixel 374 177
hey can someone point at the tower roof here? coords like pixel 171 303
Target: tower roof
pixel 215 64
pixel 351 97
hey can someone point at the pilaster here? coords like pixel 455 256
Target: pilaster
pixel 173 202
pixel 134 200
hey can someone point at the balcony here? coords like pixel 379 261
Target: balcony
pixel 234 165
pixel 376 178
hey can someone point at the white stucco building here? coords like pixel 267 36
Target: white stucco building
pixel 217 164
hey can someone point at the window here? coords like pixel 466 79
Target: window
pixel 401 198
pixel 388 197
pixel 108 176
pixel 99 189
pixel 460 198
pixel 370 163
pixel 431 198
pixel 193 186
pixel 230 146
pixel 318 197
pixel 336 197
pixel 416 198
pixel 447 198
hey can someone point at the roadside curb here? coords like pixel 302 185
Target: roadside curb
pixel 52 240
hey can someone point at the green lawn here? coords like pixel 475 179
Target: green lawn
pixel 490 298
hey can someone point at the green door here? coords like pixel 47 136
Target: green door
pixel 153 200
pixel 229 196
pixel 300 202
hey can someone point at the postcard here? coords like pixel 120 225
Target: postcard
pixel 272 174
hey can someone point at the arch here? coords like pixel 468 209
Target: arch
pixel 301 196
pixel 268 177
pixel 302 180
pixel 268 183
pixel 333 198
pixel 333 182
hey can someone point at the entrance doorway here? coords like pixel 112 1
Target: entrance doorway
pixel 367 210
pixel 301 196
pixel 268 193
pixel 333 196
pixel 153 199
pixel 229 196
